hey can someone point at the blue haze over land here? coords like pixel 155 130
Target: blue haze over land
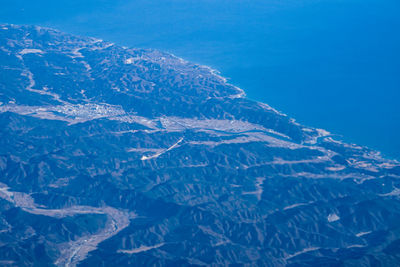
pixel 329 64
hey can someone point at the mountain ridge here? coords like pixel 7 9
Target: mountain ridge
pixel 171 165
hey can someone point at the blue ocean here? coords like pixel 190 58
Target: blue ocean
pixel 329 64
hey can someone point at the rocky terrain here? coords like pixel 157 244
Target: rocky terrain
pixel 111 156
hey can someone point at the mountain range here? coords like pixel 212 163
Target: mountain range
pixel 120 156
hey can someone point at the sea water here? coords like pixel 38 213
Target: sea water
pixel 332 64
